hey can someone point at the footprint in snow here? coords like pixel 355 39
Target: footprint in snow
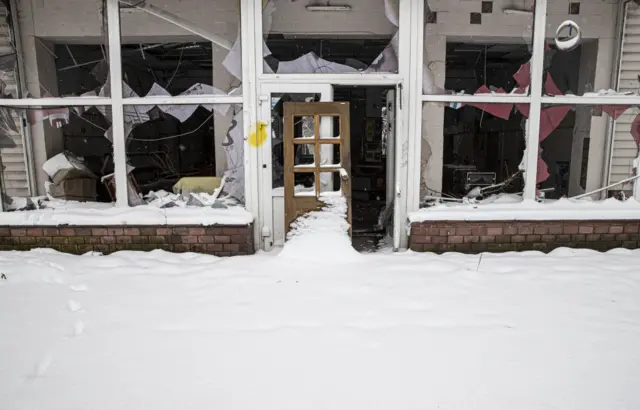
pixel 74 306
pixel 42 366
pixel 79 288
pixel 78 328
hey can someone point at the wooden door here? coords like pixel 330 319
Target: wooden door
pixel 320 174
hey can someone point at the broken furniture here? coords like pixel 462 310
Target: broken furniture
pixel 71 180
pixel 133 189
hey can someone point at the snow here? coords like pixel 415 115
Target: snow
pixel 405 331
pixel 510 208
pixel 326 230
pixel 106 214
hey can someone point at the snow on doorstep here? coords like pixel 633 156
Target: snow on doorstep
pixel 322 235
pixel 508 209
pixel 403 331
pixel 108 214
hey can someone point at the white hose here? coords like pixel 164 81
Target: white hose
pixel 624 181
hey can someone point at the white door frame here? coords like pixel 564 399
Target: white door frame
pixel 266 225
pixel 408 105
pixel 265 178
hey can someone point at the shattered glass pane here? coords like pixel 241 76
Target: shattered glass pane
pixel 51 64
pixel 179 48
pixel 573 152
pixel 73 173
pixel 472 151
pixel 321 38
pixel 488 56
pixel 582 41
pixel 192 162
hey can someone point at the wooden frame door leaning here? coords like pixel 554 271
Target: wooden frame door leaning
pixel 327 167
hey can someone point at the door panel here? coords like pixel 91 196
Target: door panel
pixel 322 175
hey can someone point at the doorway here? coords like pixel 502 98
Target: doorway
pixel 371 160
pixel 372 164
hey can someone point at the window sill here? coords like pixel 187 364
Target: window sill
pixel 141 215
pixel 560 210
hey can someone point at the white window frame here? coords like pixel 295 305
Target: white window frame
pixel 117 102
pixel 535 99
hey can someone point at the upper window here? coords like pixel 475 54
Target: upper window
pixel 477 47
pixel 581 47
pixel 180 47
pixel 305 37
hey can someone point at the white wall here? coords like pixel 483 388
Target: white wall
pixel 596 18
pixel 81 20
pixel 366 19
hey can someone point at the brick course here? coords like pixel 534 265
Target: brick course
pixel 215 240
pixel 504 236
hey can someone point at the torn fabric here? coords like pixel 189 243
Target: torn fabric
pixel 499 110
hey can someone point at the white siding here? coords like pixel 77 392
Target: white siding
pixel 624 147
pixel 14 177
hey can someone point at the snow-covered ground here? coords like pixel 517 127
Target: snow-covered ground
pixel 344 331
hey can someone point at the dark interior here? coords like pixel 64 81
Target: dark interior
pixel 163 149
pixel 480 148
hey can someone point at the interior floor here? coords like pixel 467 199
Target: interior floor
pixel 369 143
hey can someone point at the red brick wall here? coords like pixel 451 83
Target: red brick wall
pixel 216 240
pixel 498 236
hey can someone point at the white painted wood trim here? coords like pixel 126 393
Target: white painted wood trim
pixel 117 108
pixel 533 123
pixel 249 99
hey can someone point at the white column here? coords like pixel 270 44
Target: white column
pixel 432 132
pixel 414 91
pixel 38 69
pixel 533 124
pixel 583 123
pixel 222 80
pixel 251 37
pixel 117 116
pixel 600 129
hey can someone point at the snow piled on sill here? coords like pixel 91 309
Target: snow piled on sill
pixel 140 215
pixel 507 208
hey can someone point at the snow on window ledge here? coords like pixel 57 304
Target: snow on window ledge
pixel 140 215
pixel 528 210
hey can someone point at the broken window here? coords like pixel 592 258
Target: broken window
pixel 186 156
pixel 70 162
pixel 53 156
pixel 326 38
pixel 62 54
pixel 576 155
pixel 471 151
pixel 180 48
pixel 477 47
pixel 581 49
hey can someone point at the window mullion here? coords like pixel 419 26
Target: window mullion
pixel 117 108
pixel 533 124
